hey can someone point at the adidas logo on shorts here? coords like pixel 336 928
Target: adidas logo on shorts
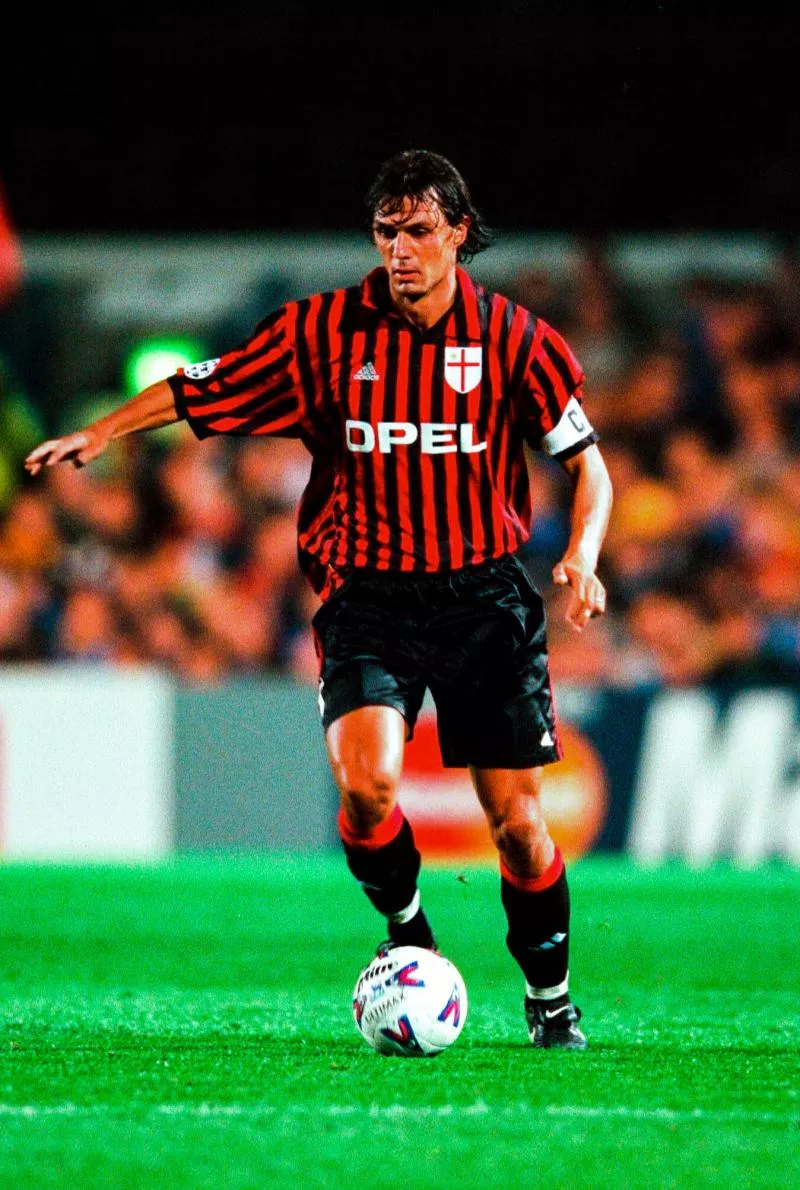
pixel 366 373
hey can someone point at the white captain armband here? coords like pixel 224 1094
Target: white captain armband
pixel 574 429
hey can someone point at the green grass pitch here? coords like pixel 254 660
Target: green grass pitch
pixel 188 1025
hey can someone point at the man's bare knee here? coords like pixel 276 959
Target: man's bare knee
pixel 524 843
pixel 367 798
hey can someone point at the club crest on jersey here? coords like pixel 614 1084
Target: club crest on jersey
pixel 463 367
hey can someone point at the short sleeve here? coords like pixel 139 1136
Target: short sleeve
pixel 552 397
pixel 250 390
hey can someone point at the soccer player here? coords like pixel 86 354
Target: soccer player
pixel 415 393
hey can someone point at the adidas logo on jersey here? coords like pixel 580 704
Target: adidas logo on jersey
pixel 366 373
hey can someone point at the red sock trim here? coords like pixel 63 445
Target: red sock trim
pixel 534 884
pixel 379 836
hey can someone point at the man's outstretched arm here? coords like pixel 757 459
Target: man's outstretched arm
pixel 591 507
pixel 152 407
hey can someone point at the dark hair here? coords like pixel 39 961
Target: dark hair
pixel 416 173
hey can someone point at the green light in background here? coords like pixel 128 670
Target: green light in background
pixel 155 359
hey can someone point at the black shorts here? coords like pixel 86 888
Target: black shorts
pixel 474 637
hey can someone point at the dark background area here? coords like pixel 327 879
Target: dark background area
pixel 566 116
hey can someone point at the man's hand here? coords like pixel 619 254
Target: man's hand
pixel 588 595
pixel 591 506
pixel 79 449
pixel 153 407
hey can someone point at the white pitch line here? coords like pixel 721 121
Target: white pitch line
pixel 670 1115
pixel 394 1111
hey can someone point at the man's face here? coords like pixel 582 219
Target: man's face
pixel 417 245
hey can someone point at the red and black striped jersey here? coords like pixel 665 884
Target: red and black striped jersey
pixel 416 436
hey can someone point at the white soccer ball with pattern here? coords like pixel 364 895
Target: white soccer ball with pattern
pixel 410 1002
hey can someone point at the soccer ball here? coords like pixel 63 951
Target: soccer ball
pixel 410 1002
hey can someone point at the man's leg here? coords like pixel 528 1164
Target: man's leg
pixel 535 897
pixel 365 749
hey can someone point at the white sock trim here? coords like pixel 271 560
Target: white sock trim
pixel 406 914
pixel 547 993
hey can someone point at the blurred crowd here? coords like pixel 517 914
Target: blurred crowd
pixel 182 554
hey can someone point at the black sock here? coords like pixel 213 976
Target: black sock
pixel 538 924
pixel 414 932
pixel 386 870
